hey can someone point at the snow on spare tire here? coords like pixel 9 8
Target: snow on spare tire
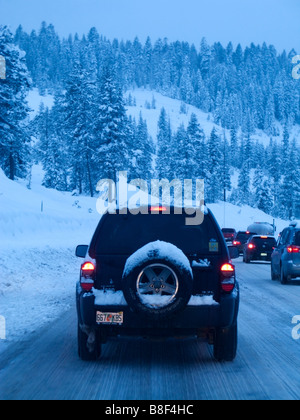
pixel 158 280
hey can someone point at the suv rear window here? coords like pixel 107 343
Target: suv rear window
pixel 125 234
pixel 259 242
pixel 244 236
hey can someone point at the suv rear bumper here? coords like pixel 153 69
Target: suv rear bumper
pixel 188 322
pixel 257 256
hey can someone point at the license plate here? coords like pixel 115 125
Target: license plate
pixel 264 255
pixel 109 318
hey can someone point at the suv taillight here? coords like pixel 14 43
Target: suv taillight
pixel 293 249
pixel 227 277
pixel 87 276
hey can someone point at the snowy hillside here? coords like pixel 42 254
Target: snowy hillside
pixel 143 100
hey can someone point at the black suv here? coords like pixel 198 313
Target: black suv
pixel 153 275
pixel 240 240
pixel 259 248
pixel 285 264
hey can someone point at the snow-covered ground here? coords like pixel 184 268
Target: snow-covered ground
pixel 39 230
pixel 35 100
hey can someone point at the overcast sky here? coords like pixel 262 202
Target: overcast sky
pixel 276 22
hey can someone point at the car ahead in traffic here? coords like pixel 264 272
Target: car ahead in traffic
pixel 259 248
pixel 152 275
pixel 241 239
pixel 229 234
pixel 285 263
pixel 262 228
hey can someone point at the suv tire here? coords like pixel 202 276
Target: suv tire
pixel 273 275
pixel 283 278
pixel 169 280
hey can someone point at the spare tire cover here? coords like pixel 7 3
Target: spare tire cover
pixel 158 280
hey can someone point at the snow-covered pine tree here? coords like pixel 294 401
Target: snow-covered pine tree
pixel 143 151
pixel 244 196
pixel 270 116
pixel 290 188
pixel 265 198
pixel 198 153
pixel 78 108
pixel 165 151
pixel 52 149
pixel 177 165
pixel 113 153
pixel 214 173
pixel 14 132
pixel 226 184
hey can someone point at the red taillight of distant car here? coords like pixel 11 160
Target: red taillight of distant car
pixel 236 243
pixel 293 249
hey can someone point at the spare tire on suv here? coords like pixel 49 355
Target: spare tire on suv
pixel 158 280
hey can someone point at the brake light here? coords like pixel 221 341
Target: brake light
pixel 227 269
pixel 227 277
pixel 236 243
pixel 263 237
pixel 87 276
pixel 293 249
pixel 251 246
pixel 88 266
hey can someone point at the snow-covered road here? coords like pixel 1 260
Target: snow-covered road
pixel 267 365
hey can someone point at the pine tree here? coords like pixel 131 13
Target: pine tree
pixel 290 188
pixel 52 150
pixel 14 132
pixel 214 173
pixel 142 152
pixel 198 154
pixel 265 198
pixel 112 155
pixel 78 108
pixel 244 196
pixel 164 143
